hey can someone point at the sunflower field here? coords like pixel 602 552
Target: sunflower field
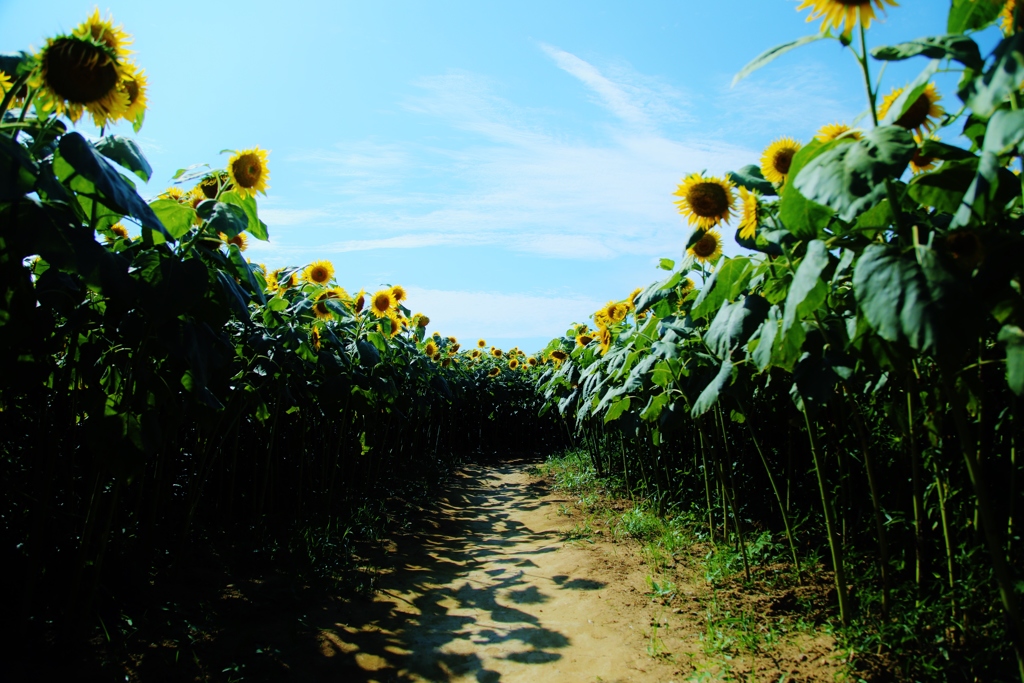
pixel 159 390
pixel 851 383
pixel 854 381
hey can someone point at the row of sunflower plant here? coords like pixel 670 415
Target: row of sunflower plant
pixel 158 388
pixel 854 381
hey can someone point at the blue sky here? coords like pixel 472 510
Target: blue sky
pixel 511 164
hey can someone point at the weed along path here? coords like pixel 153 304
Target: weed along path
pixel 492 590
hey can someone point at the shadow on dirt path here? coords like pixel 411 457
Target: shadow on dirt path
pixel 486 591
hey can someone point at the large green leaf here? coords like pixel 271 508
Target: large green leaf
pixel 801 216
pixel 709 396
pixel 1013 337
pixel 125 152
pixel 851 178
pixel 762 354
pixel 226 218
pixel 894 297
pixel 751 178
pixel 1005 133
pixel 177 218
pixel 726 283
pixel 808 291
pixel 984 94
pixel 993 186
pixel 769 55
pixel 616 410
pixel 953 46
pixel 256 227
pixel 78 152
pixel 971 15
pixel 734 324
pixel 944 188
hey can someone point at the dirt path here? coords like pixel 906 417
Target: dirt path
pixel 493 593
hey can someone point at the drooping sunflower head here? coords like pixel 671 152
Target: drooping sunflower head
pixel 705 202
pixel 481 343
pixel 382 302
pixel 844 13
pixel 615 311
pixel 248 171
pixel 497 353
pixel 708 247
pixel 631 299
pixel 210 186
pixel 430 348
pixel 392 324
pixel 239 240
pixel 920 163
pixel 81 74
pixel 583 339
pixel 398 291
pixel 446 362
pixel 921 116
pixel 513 364
pixel 685 287
pixel 558 355
pixel 833 131
pixel 314 338
pixel 604 338
pixel 359 301
pixel 119 232
pixel 422 320
pixel 777 158
pixel 475 355
pixel 494 372
pixel 749 213
pixel 436 357
pixel 320 308
pixel 531 361
pixel 452 340
pixel 319 272
pixel 454 348
pixel 103 31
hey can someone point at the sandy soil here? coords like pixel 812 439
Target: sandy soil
pixel 493 593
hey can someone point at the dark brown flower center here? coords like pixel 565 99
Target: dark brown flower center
pixel 705 246
pixel 78 71
pixel 248 170
pixel 782 160
pixel 708 200
pixel 916 114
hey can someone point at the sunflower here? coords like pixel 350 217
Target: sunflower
pixel 531 361
pixel 513 364
pixel 320 308
pixel 5 83
pixel 631 299
pixel 174 193
pixel 705 201
pixel 583 339
pixel 274 282
pixel 604 337
pixel 749 215
pixel 559 355
pixel 382 302
pixel 833 131
pixel 119 233
pixel 708 247
pixel 616 311
pixel 134 84
pixel 248 171
pixel 394 322
pixel 921 116
pixel 314 338
pixel 845 13
pixel 686 286
pixel 446 362
pixel 481 343
pixel 436 357
pixel 98 30
pixel 239 240
pixel 80 74
pixel 421 320
pixel 454 348
pixel 430 348
pixel 920 163
pixel 496 352
pixel 318 272
pixel 359 301
pixel 494 372
pixel 776 159
pixel 1006 17
pixel 475 355
pixel 398 291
